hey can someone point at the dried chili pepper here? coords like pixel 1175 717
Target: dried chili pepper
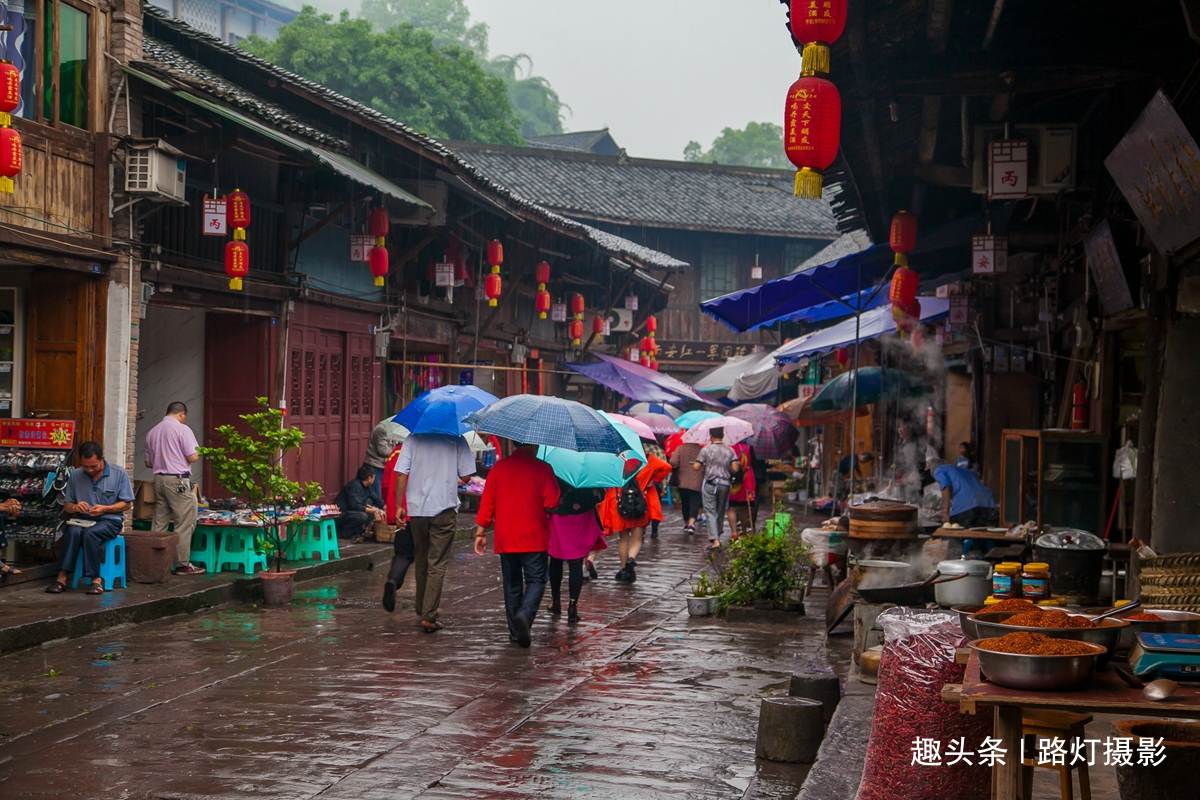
pixel 1035 644
pixel 1048 619
pixel 1011 605
pixel 1145 616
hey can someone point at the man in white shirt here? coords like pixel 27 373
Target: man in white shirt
pixel 428 471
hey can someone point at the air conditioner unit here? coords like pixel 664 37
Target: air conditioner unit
pixel 1052 163
pixel 156 170
pixel 435 193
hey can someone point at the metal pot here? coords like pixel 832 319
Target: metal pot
pixel 991 624
pixel 971 590
pixel 1037 673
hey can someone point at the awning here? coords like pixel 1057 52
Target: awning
pixel 666 382
pixel 743 379
pixel 631 386
pixel 875 323
pixel 343 165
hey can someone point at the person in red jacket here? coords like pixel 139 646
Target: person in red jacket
pixel 519 493
pixel 630 531
pixel 402 543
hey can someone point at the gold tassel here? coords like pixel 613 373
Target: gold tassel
pixel 814 59
pixel 809 184
pixel 492 303
pixel 901 260
pixel 6 185
pixel 239 234
pixel 5 120
pixel 379 280
pixel 235 284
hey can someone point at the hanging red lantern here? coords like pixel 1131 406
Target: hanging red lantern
pixel 816 29
pixel 542 274
pixel 914 310
pixel 492 288
pixel 903 236
pixel 237 263
pixel 813 124
pixel 379 222
pixel 237 213
pixel 543 303
pixel 576 331
pixel 654 364
pixel 644 360
pixel 495 255
pixel 10 90
pixel 10 158
pixel 379 263
pixel 651 325
pixel 904 287
pixel 577 306
pixel 598 326
pixel 647 344
pixel 918 339
pixel 843 357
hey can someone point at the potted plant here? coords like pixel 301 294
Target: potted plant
pixel 250 466
pixel 763 569
pixel 703 601
pixel 792 488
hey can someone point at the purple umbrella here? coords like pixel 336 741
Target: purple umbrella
pixel 774 431
pixel 661 424
pixel 622 382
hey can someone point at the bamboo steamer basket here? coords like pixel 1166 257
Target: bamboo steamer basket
pixel 883 521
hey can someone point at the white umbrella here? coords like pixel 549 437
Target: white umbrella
pixel 736 430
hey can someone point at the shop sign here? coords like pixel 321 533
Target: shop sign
pixel 55 434
pixel 716 352
pixel 634 354
pixel 1008 168
pixel 360 247
pixel 443 275
pixel 756 273
pixel 631 302
pixel 558 312
pixel 1157 167
pixel 466 377
pixel 1105 266
pixel 214 216
pixel 960 312
pixel 607 327
pixel 989 255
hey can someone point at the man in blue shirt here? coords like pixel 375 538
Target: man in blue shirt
pixel 97 496
pixel 965 501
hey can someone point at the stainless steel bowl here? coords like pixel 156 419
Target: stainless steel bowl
pixel 1173 622
pixel 990 624
pixel 964 619
pixel 1038 673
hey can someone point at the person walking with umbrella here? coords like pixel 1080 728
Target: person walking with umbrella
pixel 519 492
pixel 575 533
pixel 718 462
pixel 628 510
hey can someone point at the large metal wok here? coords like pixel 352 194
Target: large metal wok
pixel 908 594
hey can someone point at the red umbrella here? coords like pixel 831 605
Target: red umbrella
pixel 672 443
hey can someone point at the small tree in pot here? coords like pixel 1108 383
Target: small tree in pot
pixel 251 467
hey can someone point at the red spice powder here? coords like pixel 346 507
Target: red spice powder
pixel 1035 644
pixel 1048 619
pixel 1145 617
pixel 1011 605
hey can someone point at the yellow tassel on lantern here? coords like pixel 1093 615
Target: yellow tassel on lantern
pixel 379 280
pixel 495 269
pixel 901 260
pixel 380 241
pixel 5 120
pixel 814 59
pixel 809 184
pixel 235 284
pixel 6 185
pixel 239 234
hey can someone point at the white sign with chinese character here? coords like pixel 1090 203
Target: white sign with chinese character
pixel 558 312
pixel 443 275
pixel 1008 169
pixel 360 247
pixel 989 255
pixel 607 327
pixel 634 354
pixel 214 217
pixel 959 311
pixel 756 273
pixel 631 302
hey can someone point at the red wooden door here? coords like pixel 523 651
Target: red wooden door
pixel 239 358
pixel 317 405
pixel 362 390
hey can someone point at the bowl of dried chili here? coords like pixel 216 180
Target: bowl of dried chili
pixel 968 624
pixel 1055 624
pixel 1036 662
pixel 1152 620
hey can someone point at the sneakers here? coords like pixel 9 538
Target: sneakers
pixel 689 529
pixel 190 570
pixel 389 597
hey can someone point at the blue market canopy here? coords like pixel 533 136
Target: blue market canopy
pixel 874 323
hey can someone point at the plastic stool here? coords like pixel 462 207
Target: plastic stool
pixel 317 537
pixel 205 544
pixel 112 565
pixel 237 551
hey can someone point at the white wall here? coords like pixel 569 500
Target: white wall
pixel 116 380
pixel 171 367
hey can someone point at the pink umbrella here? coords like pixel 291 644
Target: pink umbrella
pixel 736 430
pixel 639 427
pixel 659 423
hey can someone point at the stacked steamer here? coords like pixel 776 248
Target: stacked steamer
pixel 1171 582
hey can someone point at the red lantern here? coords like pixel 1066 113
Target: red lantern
pixel 914 310
pixel 495 254
pixel 492 288
pixel 644 360
pixel 379 222
pixel 543 303
pixel 816 28
pixel 10 89
pixel 576 331
pixel 904 233
pixel 651 325
pixel 379 263
pixel 577 306
pixel 904 287
pixel 843 357
pixel 812 123
pixel 10 158
pixel 542 274
pixel 654 364
pixel 237 263
pixel 918 339
pixel 598 326
pixel 237 212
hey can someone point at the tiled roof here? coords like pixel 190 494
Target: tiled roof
pixel 670 194
pixel 577 141
pixel 608 243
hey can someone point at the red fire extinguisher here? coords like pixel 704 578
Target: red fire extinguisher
pixel 1079 407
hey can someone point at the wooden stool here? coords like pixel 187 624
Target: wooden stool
pixel 830 583
pixel 1063 725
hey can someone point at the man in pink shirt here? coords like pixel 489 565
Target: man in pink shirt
pixel 170 453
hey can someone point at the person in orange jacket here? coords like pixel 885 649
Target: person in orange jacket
pixel 630 531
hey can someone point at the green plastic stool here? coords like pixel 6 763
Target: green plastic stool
pixel 317 537
pixel 237 551
pixel 205 545
pixel 778 524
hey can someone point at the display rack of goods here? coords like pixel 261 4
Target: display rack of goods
pixel 35 478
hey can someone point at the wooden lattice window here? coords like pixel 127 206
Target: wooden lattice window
pixel 335 384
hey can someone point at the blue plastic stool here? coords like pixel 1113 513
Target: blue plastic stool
pixel 318 537
pixel 205 544
pixel 237 551
pixel 112 565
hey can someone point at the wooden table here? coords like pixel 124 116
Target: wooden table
pixel 1106 694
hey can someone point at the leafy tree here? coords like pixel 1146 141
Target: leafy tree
pixel 442 92
pixel 759 145
pixel 531 98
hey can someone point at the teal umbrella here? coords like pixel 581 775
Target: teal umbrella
pixel 874 384
pixel 589 470
pixel 689 419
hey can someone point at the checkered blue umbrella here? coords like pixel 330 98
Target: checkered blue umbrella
pixel 552 421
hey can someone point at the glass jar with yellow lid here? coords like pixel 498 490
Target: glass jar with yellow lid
pixel 1035 581
pixel 1006 581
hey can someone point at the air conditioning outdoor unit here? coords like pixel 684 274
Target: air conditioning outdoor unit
pixel 155 170
pixel 1052 163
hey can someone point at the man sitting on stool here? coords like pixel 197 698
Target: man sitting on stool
pixel 360 504
pixel 97 494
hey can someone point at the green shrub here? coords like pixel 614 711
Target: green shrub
pixel 763 566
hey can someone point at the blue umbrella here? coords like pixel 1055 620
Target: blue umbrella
pixel 689 419
pixel 597 470
pixel 441 410
pixel 534 419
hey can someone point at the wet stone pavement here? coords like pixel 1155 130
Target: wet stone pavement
pixel 335 698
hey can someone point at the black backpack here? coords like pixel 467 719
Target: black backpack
pixel 631 503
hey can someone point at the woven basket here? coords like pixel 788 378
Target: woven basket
pixel 384 532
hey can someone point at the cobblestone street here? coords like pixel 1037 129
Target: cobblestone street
pixel 335 698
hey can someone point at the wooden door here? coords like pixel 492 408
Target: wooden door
pixel 64 366
pixel 238 368
pixel 362 389
pixel 317 405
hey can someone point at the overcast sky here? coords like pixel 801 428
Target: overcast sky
pixel 656 72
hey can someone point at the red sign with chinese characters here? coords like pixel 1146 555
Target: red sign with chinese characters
pixel 51 434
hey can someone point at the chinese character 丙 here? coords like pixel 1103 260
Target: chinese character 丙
pixel 927 752
pixel 1010 177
